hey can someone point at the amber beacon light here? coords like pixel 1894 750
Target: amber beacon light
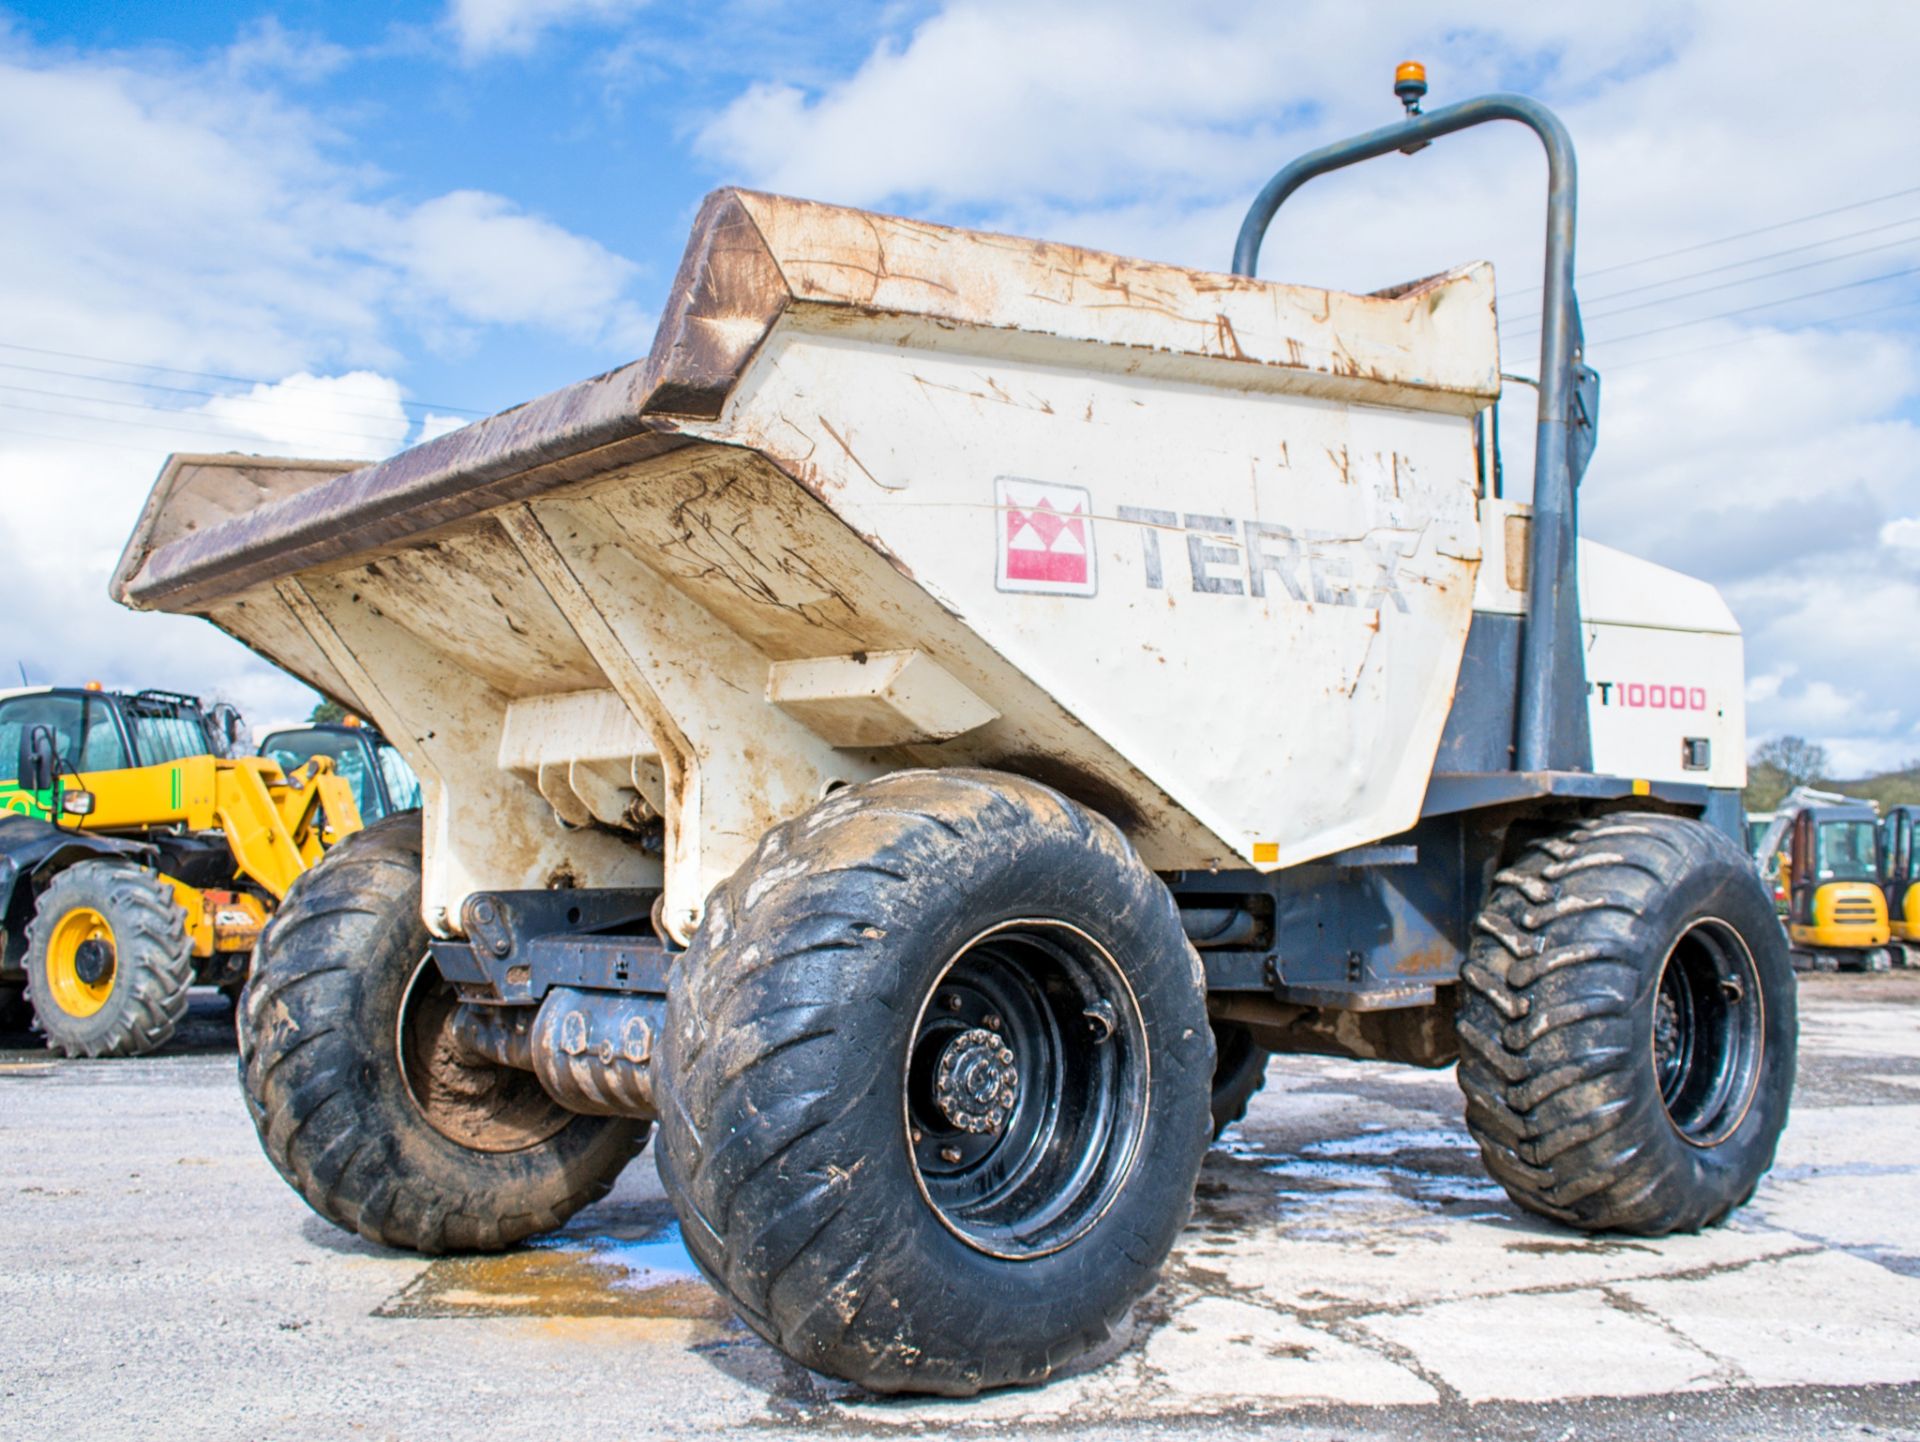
pixel 1410 84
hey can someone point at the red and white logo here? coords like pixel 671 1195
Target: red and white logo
pixel 1046 537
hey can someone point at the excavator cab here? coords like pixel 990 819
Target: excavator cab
pixel 1836 910
pixel 1899 873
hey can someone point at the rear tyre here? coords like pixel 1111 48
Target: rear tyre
pixel 361 1099
pixel 1239 1071
pixel 1627 1026
pixel 109 960
pixel 936 1080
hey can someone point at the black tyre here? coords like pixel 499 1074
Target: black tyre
pixel 109 960
pixel 936 1080
pixel 1628 1026
pixel 361 1101
pixel 1239 1071
pixel 15 1014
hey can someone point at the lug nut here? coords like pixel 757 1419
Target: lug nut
pixel 950 1001
pixel 915 1134
pixel 950 1155
pixel 991 1021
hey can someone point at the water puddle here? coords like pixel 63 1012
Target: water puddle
pixel 1433 1167
pixel 629 1263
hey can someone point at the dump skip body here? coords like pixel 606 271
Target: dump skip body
pixel 1200 550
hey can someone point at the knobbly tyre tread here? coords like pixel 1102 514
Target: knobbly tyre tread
pixel 773 1011
pixel 330 1113
pixel 153 966
pixel 1239 1075
pixel 1555 1025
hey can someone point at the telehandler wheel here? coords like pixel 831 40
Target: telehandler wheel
pixel 1239 1071
pixel 936 1075
pixel 360 1097
pixel 109 960
pixel 1627 1026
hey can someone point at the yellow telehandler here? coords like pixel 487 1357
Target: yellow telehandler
pixel 140 855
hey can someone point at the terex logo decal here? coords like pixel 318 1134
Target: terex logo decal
pixel 1046 538
pixel 1229 557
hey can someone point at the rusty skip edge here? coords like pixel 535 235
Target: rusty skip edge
pixel 728 294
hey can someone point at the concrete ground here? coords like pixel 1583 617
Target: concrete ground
pixel 1350 1272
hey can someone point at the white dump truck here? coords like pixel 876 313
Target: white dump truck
pixel 924 735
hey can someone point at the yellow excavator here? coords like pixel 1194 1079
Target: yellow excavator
pixel 139 855
pixel 1830 875
pixel 1900 880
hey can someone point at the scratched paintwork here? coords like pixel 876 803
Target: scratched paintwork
pixel 805 465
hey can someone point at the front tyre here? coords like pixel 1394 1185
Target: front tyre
pixel 109 960
pixel 1627 1026
pixel 363 1102
pixel 936 1080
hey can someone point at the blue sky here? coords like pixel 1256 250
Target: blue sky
pixel 377 219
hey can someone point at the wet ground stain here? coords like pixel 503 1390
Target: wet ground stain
pixel 630 1263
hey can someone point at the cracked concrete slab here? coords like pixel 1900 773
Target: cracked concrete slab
pixel 1349 1271
pixel 1544 1345
pixel 1826 1318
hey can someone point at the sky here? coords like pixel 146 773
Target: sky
pixel 336 229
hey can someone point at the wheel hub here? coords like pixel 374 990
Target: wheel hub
pixel 93 961
pixel 1708 1032
pixel 81 959
pixel 1026 1088
pixel 976 1082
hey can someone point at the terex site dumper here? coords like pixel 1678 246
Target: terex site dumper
pixel 899 734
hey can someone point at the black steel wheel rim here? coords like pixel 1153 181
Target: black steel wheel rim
pixel 1708 1032
pixel 1026 1088
pixel 471 1102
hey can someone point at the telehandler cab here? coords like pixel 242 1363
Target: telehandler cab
pixel 903 733
pixel 371 765
pixel 140 853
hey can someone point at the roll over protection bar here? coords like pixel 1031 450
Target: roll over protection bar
pixel 1552 731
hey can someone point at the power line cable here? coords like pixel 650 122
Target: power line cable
pixel 75 440
pixel 406 424
pixel 1749 338
pixel 1741 235
pixel 185 390
pixel 193 430
pixel 1767 305
pixel 203 375
pixel 1720 269
pixel 1728 284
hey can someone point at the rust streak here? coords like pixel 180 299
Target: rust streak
pixel 842 442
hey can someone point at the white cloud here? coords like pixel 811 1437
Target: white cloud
pixel 492 264
pixel 198 218
pixel 513 27
pixel 434 425
pixel 1902 533
pixel 1005 101
pixel 193 219
pixel 357 416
